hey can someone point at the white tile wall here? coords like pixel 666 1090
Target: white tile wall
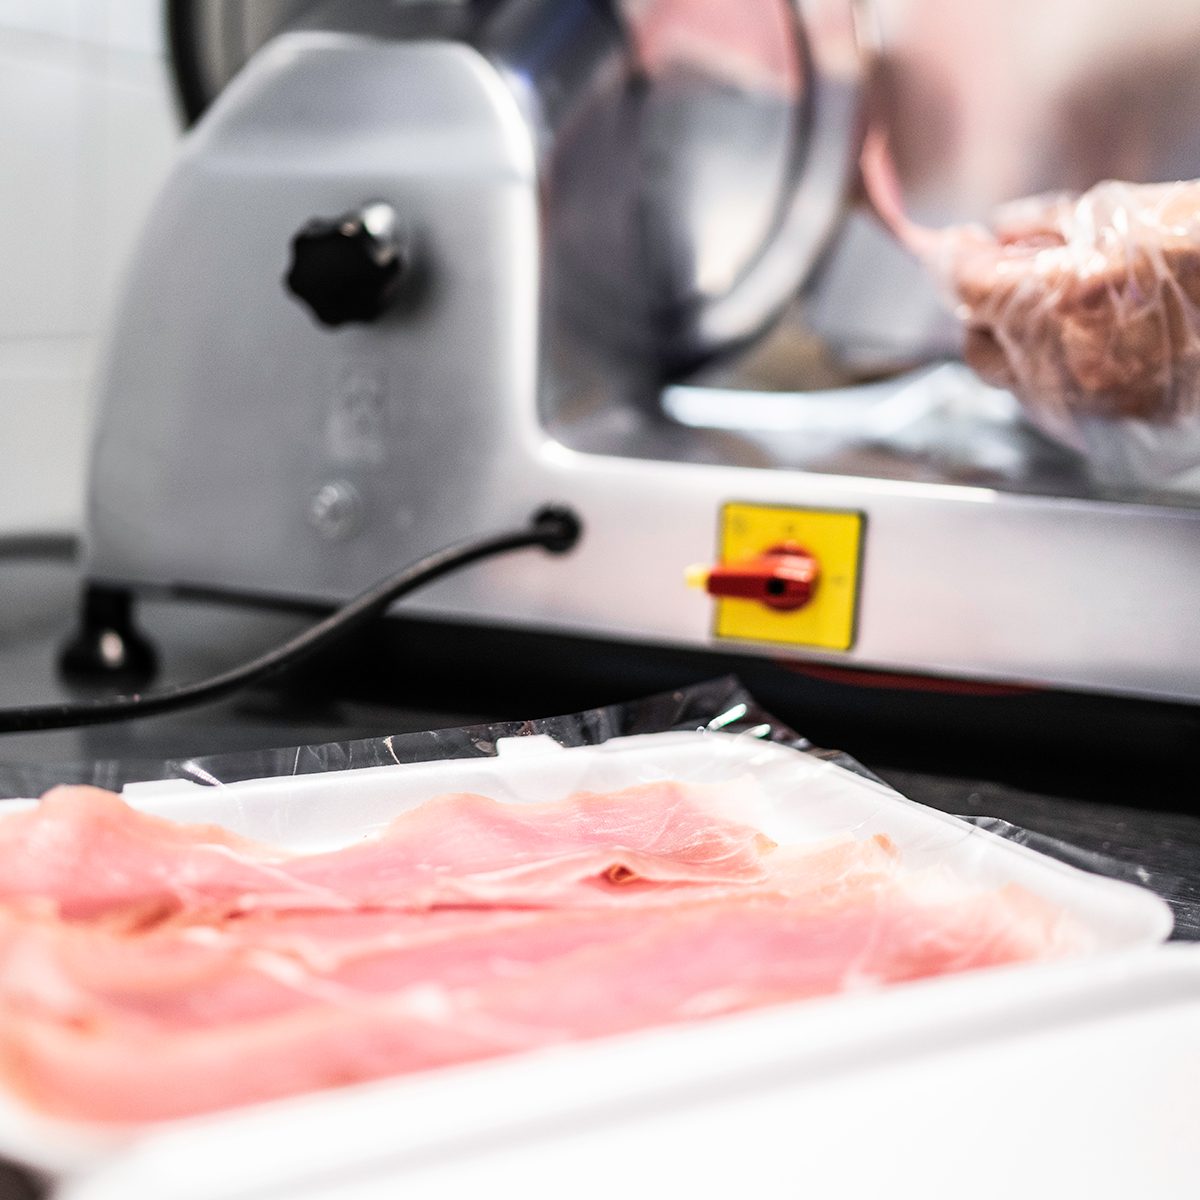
pixel 87 130
pixel 125 24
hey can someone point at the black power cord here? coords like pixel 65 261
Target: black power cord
pixel 554 529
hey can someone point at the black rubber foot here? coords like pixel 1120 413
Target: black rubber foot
pixel 108 648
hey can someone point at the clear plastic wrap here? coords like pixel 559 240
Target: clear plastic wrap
pixel 717 704
pixel 1088 309
pixel 1179 891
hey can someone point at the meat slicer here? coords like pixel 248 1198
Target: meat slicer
pixel 422 268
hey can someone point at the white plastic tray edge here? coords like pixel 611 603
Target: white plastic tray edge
pixel 447 1116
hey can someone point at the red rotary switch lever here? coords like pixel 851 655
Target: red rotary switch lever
pixel 783 577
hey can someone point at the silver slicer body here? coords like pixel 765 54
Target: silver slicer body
pixel 597 227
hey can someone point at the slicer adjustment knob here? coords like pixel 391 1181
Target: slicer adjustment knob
pixel 348 268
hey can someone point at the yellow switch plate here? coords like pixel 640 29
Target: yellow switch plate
pixel 834 539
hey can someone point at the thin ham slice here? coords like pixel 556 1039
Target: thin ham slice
pixel 88 855
pixel 464 848
pixel 84 854
pixel 701 961
pixel 266 962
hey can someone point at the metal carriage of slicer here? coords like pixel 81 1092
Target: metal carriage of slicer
pixel 420 269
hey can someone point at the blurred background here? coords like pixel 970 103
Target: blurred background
pixel 87 129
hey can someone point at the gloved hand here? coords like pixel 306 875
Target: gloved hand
pixel 1085 306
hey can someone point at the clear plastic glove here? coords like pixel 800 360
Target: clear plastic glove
pixel 1084 307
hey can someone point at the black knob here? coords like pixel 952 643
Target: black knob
pixel 348 268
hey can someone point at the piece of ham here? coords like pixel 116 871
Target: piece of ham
pixel 187 974
pixel 84 854
pixel 695 961
pixel 469 849
pixel 88 855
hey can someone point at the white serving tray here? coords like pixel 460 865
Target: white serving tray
pixel 794 797
pixel 1047 1083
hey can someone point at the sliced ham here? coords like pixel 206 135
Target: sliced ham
pixel 87 853
pixel 264 962
pixel 150 970
pixel 697 961
pixel 471 849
